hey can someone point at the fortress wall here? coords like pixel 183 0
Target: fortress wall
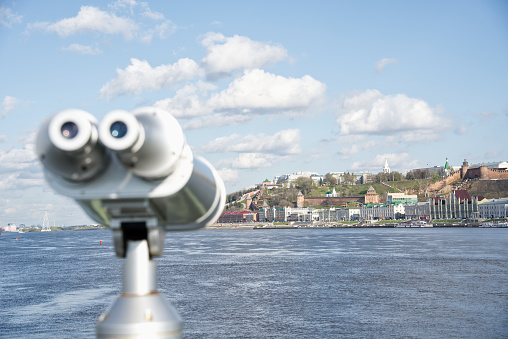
pixel 443 182
pixel 328 201
pixel 497 174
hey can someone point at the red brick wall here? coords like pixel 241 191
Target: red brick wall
pixel 497 174
pixel 446 181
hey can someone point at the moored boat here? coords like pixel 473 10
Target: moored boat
pixel 494 224
pixel 414 223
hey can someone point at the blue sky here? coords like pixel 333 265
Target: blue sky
pixel 261 88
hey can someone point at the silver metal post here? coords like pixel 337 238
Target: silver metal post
pixel 140 311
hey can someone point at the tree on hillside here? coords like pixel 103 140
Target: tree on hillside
pixel 383 177
pixel 304 184
pixel 348 179
pixel 330 179
pixel 418 174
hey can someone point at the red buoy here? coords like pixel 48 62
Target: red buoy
pixel 101 242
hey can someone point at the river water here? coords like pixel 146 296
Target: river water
pixel 306 283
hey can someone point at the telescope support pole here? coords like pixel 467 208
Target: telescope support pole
pixel 140 311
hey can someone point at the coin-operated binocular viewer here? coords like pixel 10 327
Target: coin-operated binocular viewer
pixel 134 173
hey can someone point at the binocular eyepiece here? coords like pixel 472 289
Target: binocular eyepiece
pixel 68 145
pixel 131 166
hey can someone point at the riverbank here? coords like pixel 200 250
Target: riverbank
pixel 304 225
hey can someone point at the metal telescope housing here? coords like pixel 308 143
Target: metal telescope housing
pixel 134 173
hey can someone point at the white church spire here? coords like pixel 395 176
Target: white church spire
pixel 386 169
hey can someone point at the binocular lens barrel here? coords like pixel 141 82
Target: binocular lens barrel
pixel 148 141
pixel 118 129
pixel 68 145
pixel 69 130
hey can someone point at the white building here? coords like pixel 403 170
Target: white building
pixel 10 228
pixel 417 211
pixel 300 214
pixel 287 179
pixel 338 214
pixel 493 209
pixel 382 211
pixel 493 165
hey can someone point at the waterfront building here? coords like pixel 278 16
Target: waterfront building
pixel 338 214
pixel 382 211
pixel 400 198
pixel 493 209
pixel 238 217
pixel 271 214
pixel 419 210
pixel 10 228
pixel 458 205
pixel 300 214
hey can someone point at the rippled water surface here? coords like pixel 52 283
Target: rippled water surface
pixel 307 283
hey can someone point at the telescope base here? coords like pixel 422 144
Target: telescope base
pixel 133 316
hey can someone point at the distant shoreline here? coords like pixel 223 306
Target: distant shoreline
pixel 330 225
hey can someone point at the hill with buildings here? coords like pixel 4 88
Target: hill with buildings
pixel 489 180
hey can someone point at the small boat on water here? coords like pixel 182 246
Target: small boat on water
pixel 414 223
pixel 494 224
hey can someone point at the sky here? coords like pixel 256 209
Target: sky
pixel 261 88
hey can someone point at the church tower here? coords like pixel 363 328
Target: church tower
pixel 386 169
pixel 447 167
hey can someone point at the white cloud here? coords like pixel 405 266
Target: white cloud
pixel 8 105
pixel 19 168
pixel 139 76
pixel 189 101
pixel 395 160
pixel 372 112
pixel 18 159
pixel 282 143
pixel 381 64
pixel 82 49
pixel 257 92
pixel 156 16
pixel 8 18
pixel 356 148
pixel 227 54
pixel 124 4
pixel 228 174
pixel 140 22
pixel 265 92
pixel 254 160
pixel 90 19
pixel 216 120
